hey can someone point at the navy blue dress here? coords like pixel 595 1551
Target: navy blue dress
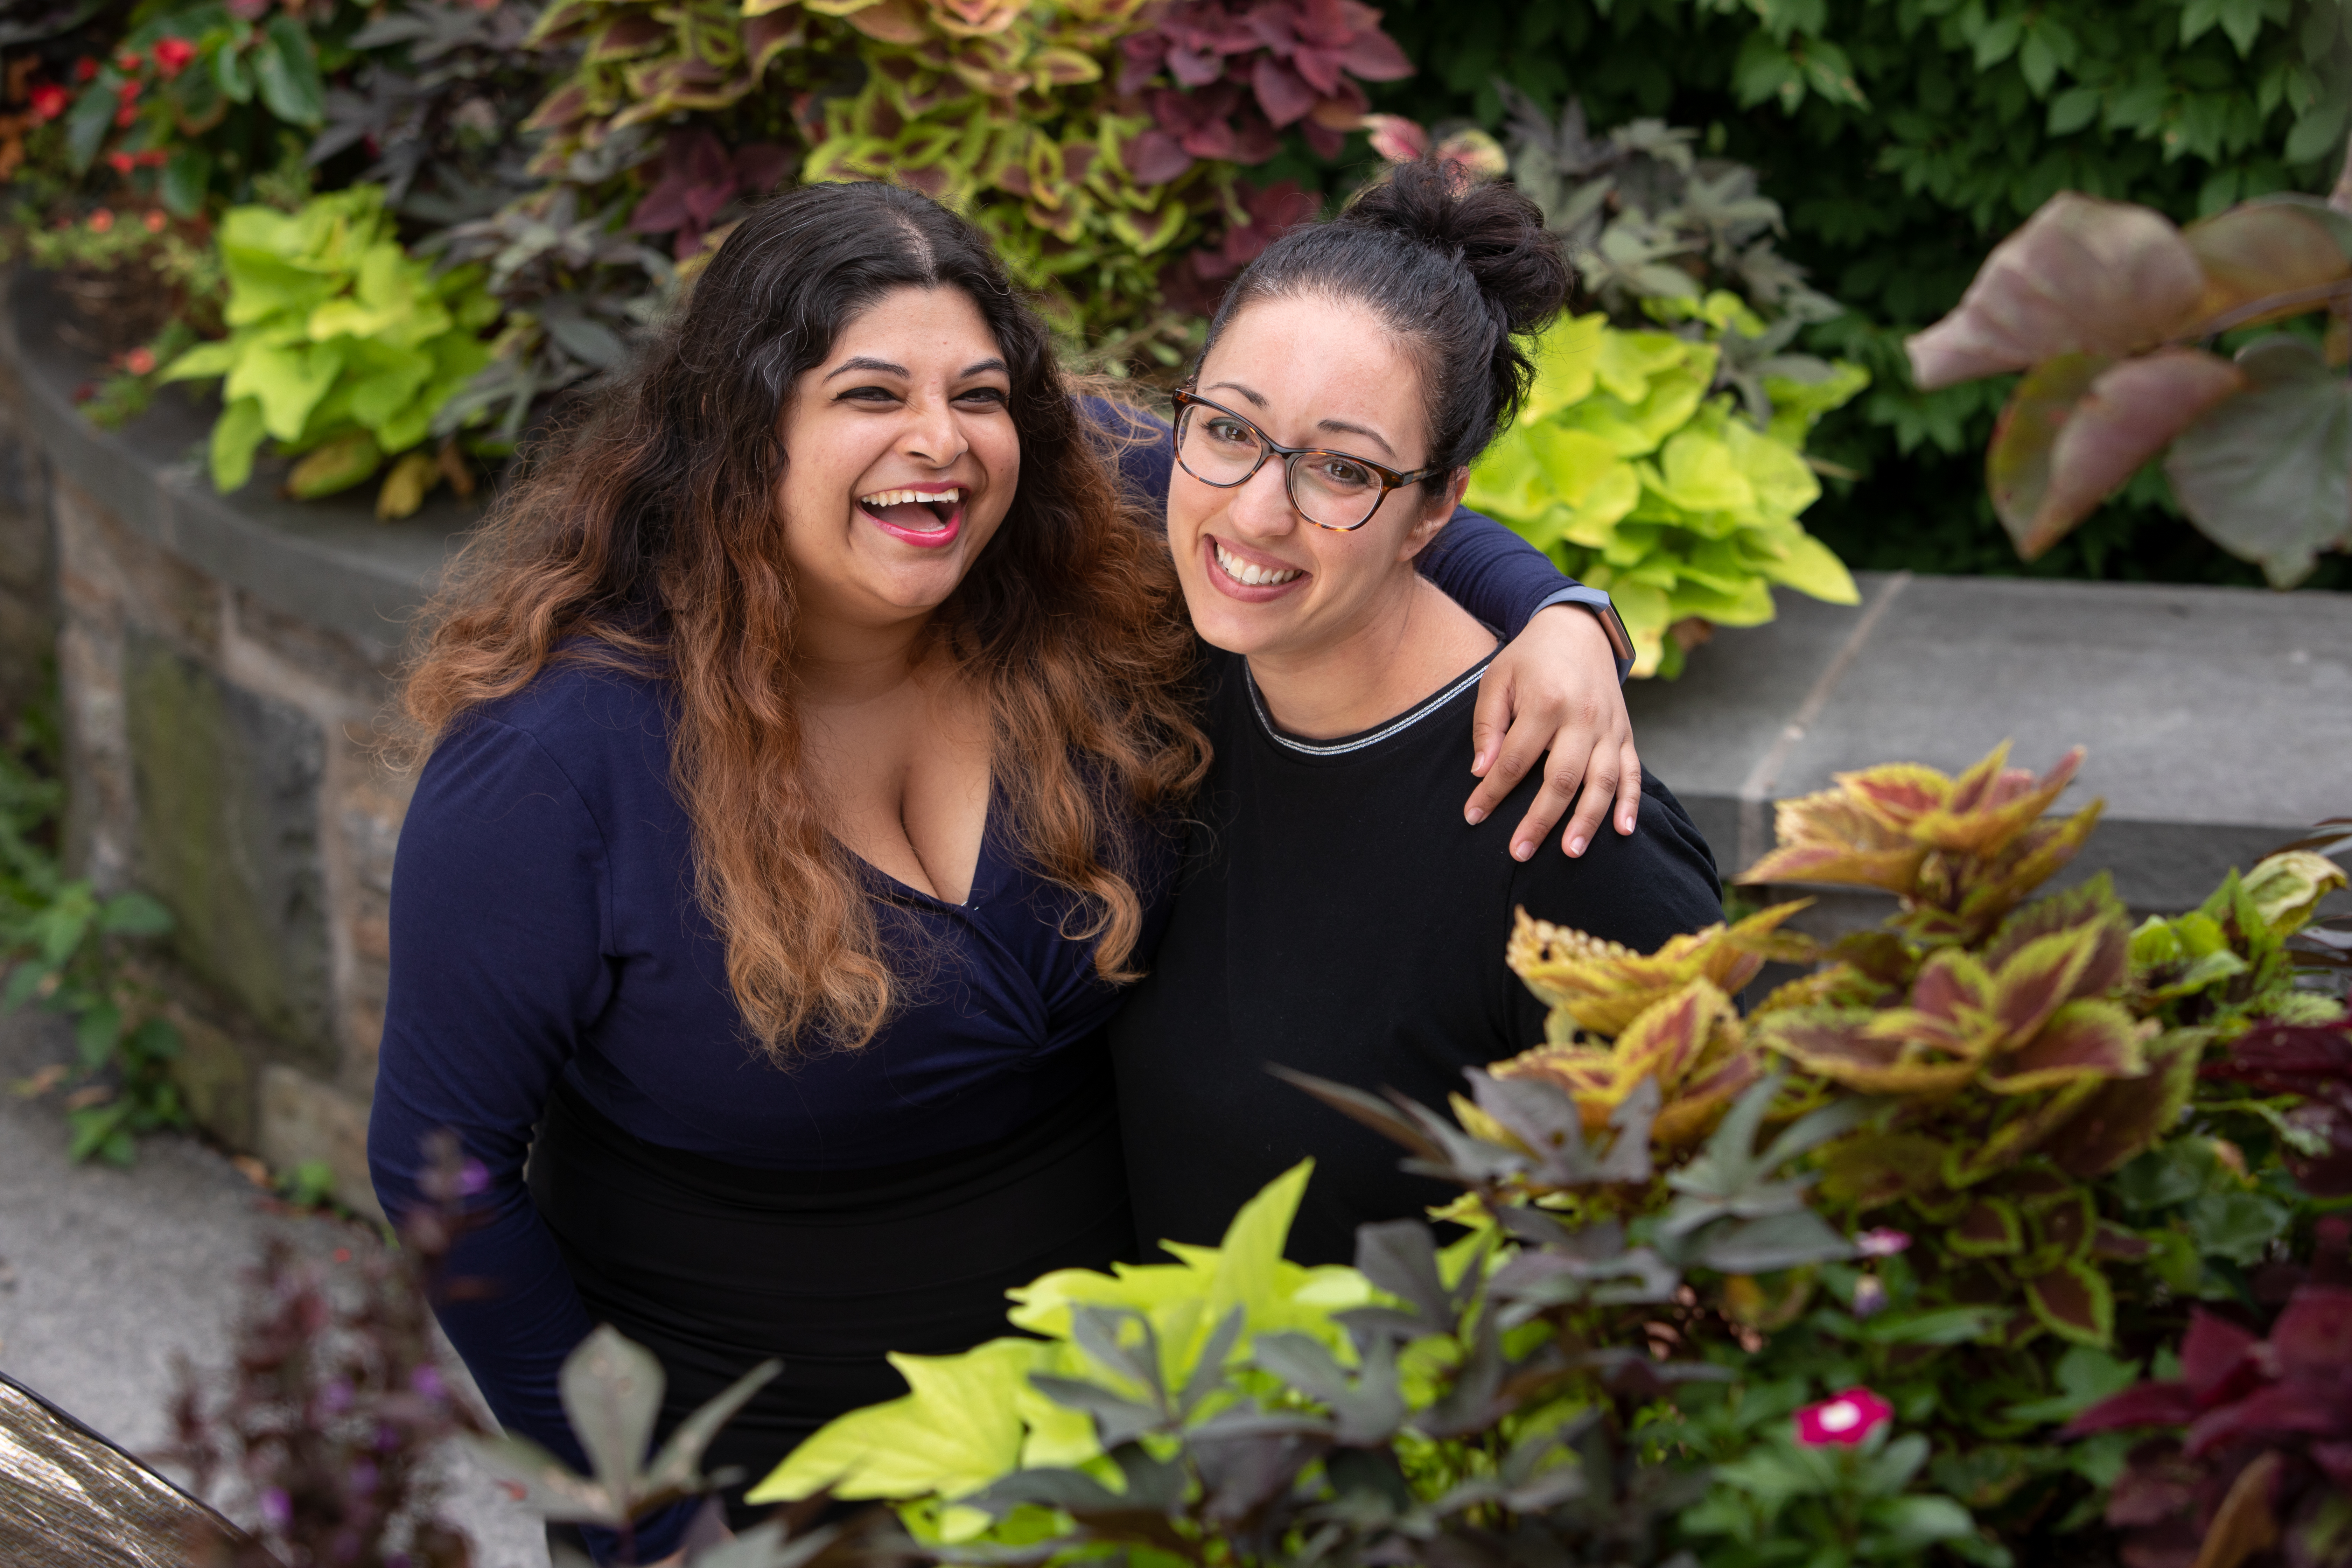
pixel 550 968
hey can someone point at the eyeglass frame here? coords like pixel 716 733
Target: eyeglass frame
pixel 1186 400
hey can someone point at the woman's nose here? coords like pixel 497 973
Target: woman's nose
pixel 932 435
pixel 1262 504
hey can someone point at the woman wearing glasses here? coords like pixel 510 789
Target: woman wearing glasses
pixel 1353 374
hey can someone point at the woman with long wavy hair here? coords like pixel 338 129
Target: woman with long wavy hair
pixel 808 738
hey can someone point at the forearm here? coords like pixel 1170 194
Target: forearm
pixel 1505 581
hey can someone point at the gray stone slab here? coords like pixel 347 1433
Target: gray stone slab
pixel 2218 720
pixel 108 1277
pixel 330 562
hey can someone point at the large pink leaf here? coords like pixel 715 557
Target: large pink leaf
pixel 2082 276
pixel 2017 463
pixel 2256 251
pixel 2132 412
pixel 2268 474
pixel 2314 1335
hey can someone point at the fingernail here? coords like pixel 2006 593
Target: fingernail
pixel 1478 765
pixel 1476 815
pixel 1624 825
pixel 1575 847
pixel 1521 851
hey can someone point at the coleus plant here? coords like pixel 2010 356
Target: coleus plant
pixel 2113 313
pixel 2260 1470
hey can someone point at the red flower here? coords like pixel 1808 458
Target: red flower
pixel 100 221
pixel 1843 1419
pixel 127 63
pixel 154 220
pixel 128 115
pixel 49 100
pixel 173 55
pixel 85 68
pixel 140 361
pixel 122 161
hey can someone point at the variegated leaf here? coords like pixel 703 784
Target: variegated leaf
pixel 2087 1040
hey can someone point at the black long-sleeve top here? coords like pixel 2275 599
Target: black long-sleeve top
pixel 1331 922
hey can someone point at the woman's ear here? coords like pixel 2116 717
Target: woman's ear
pixel 1435 513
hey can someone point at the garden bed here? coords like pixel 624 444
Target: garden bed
pixel 225 660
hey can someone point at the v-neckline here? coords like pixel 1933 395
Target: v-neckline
pixel 971 884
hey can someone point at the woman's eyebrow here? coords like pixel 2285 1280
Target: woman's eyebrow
pixel 1364 430
pixel 981 367
pixel 883 365
pixel 1244 391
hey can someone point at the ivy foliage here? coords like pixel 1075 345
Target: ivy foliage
pixel 1903 138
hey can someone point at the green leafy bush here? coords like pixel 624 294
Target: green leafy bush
pixel 1903 140
pixel 1640 478
pixel 342 348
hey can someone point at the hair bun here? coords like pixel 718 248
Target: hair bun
pixel 1497 233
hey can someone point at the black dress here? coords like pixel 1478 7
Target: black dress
pixel 1330 922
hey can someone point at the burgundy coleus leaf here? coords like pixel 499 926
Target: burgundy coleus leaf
pixel 1280 91
pixel 1320 68
pixel 2313 1059
pixel 1155 158
pixel 2143 1405
pixel 2307 1408
pixel 2082 276
pixel 760 167
pixel 2313 1337
pixel 1372 56
pixel 1195 68
pixel 2217 1358
pixel 2157 1485
pixel 1141 56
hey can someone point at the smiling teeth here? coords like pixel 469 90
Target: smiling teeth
pixel 902 497
pixel 1242 572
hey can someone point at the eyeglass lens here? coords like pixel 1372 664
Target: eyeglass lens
pixel 1328 487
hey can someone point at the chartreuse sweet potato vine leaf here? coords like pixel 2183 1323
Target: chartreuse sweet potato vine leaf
pixel 972 1418
pixel 1637 474
pixel 342 348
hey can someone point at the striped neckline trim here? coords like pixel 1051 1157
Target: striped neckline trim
pixel 1356 742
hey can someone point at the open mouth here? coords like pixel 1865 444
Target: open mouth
pixel 1248 573
pixel 928 518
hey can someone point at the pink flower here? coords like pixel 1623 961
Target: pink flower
pixel 1845 1419
pixel 1869 1296
pixel 140 361
pixel 1884 1242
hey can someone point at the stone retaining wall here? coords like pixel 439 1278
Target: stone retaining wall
pixel 224 664
pixel 223 667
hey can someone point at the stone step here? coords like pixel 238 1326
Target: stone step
pixel 2219 721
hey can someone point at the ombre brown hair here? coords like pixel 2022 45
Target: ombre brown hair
pixel 649 538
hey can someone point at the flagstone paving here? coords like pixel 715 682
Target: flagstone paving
pixel 108 1277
